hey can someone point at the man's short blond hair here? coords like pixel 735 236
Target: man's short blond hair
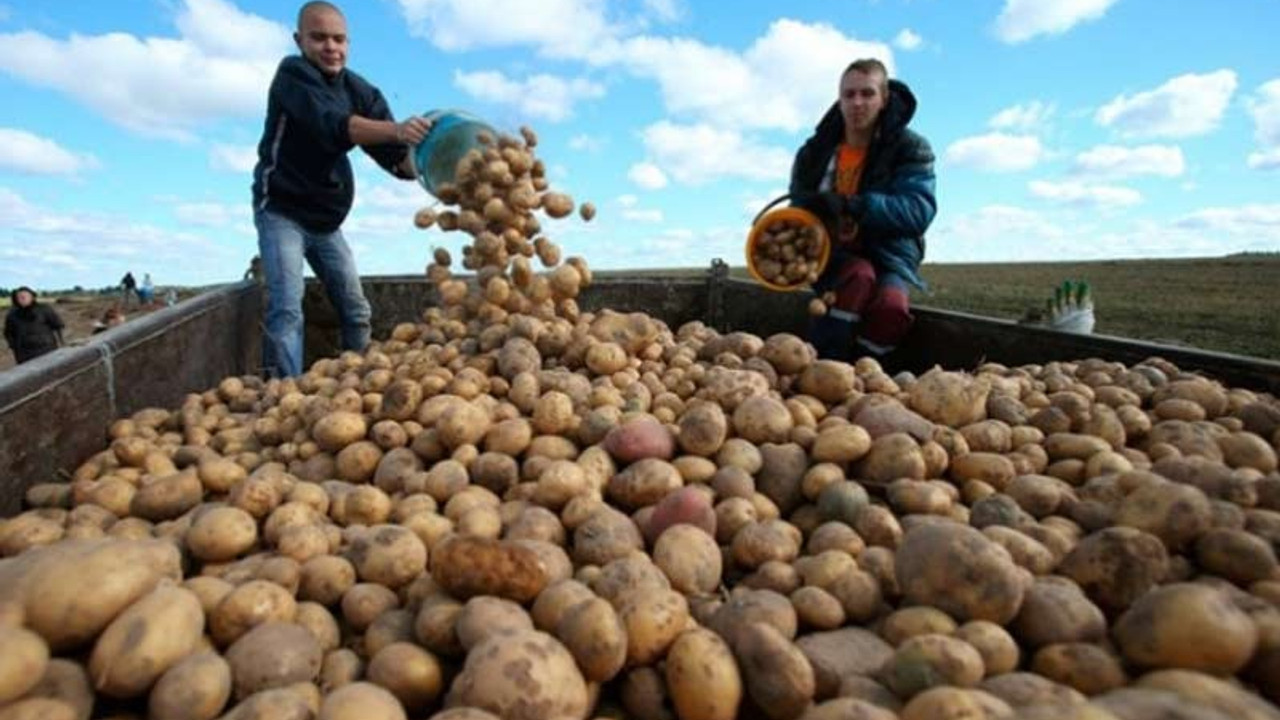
pixel 869 66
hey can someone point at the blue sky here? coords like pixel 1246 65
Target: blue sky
pixel 1064 129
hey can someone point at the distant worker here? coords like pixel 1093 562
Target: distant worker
pixel 303 187
pixel 870 178
pixel 128 286
pixel 147 291
pixel 255 269
pixel 31 328
pixel 111 318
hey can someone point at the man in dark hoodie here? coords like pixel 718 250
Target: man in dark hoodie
pixel 317 111
pixel 31 329
pixel 870 179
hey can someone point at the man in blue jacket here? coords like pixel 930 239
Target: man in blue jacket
pixel 870 178
pixel 317 111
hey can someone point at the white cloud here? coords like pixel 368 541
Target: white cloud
pixel 907 40
pixel 214 215
pixel 233 158
pixel 647 175
pixel 585 142
pixel 1265 159
pixel 541 96
pixel 29 153
pixel 1021 20
pixel 795 65
pixel 1260 220
pixel 1185 106
pixel 1117 161
pixel 996 152
pixel 1083 195
pixel 1264 107
pixel 695 154
pixel 220 65
pixel 999 233
pixel 104 246
pixel 1025 117
pixel 664 10
pixel 646 216
pixel 558 28
pixel 628 200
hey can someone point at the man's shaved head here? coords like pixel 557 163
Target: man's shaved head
pixel 315 6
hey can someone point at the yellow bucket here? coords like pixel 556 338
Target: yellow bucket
pixel 766 219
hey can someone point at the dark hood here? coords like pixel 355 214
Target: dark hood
pixel 13 296
pixel 896 115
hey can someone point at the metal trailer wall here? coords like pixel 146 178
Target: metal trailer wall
pixel 55 410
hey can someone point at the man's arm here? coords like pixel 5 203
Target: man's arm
pixel 908 205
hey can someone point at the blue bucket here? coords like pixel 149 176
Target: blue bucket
pixel 453 134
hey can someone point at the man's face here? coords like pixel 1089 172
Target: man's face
pixel 24 298
pixel 323 40
pixel 861 99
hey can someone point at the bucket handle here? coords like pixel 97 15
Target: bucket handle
pixel 769 206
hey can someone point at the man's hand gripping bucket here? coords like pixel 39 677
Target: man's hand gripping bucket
pixel 453 134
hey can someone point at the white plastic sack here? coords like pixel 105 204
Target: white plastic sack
pixel 1076 320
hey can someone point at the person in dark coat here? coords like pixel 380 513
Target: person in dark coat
pixel 303 186
pixel 30 328
pixel 869 177
pixel 129 286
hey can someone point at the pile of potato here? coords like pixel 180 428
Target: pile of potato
pixel 789 252
pixel 515 509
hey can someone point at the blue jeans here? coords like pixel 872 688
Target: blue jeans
pixel 283 245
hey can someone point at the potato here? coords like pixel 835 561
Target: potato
pixel 25 658
pixel 167 497
pixel 521 676
pixel 1088 668
pixel 908 622
pixel 468 566
pixel 1211 692
pixel 604 536
pixel 361 701
pixel 1142 703
pixel 595 635
pixel 702 677
pixel 817 608
pixel 1185 625
pixel 338 429
pixel 1116 566
pixel 413 675
pixel 930 660
pixel 643 436
pixel 938 563
pixel 947 703
pixel 999 651
pixel 1023 689
pixel 196 688
pixel 222 534
pixel 778 676
pixel 703 429
pixel 690 559
pixel 247 606
pixel 687 505
pixel 1173 512
pixel 146 639
pixel 389 555
pixel 38 708
pixel 643 483
pixel 1236 555
pixel 483 616
pixel 271 655
pixel 950 398
pixel 325 579
pixel 653 621
pixel 1055 610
